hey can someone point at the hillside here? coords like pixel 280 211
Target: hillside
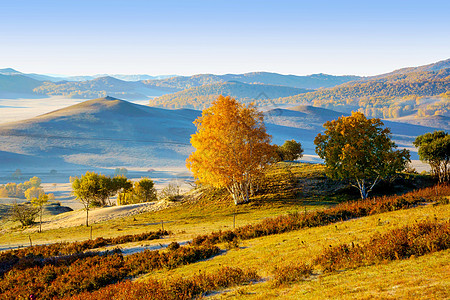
pixel 100 87
pixel 16 85
pixel 300 237
pixel 422 90
pixel 201 97
pixel 107 132
pixel 103 132
pixel 314 81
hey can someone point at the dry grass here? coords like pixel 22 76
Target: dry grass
pixel 267 253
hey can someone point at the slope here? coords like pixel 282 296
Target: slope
pixel 16 85
pixel 201 97
pixel 395 94
pixel 100 87
pixel 304 82
pixel 103 132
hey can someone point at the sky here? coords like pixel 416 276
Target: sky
pixel 78 37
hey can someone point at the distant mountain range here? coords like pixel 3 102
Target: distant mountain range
pixel 202 96
pixel 41 77
pixel 146 87
pixel 414 91
pixel 107 133
pixel 421 91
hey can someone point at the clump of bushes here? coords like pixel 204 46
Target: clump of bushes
pixel 174 288
pixel 340 212
pixel 400 243
pixel 35 255
pixel 49 278
pixel 291 273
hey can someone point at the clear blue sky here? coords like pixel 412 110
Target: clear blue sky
pixel 75 37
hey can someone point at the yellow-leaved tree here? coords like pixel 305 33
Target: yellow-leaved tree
pixel 232 147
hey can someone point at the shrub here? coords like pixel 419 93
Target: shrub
pixel 174 288
pixel 291 273
pixel 400 243
pixel 341 212
pixel 59 277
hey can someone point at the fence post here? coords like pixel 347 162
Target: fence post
pixel 234 220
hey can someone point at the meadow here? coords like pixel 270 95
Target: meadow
pixel 302 236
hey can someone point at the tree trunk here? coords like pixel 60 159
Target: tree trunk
pixel 87 217
pixel 40 221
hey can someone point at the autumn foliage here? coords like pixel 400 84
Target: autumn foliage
pixel 359 149
pixel 399 243
pixel 232 147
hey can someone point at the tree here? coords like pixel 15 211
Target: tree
pixel 33 192
pixel 290 150
pixel 359 149
pixel 144 189
pixel 232 147
pixel 171 191
pixel 24 213
pixel 434 149
pixel 39 202
pixel 87 190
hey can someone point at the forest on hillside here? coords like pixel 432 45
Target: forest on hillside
pixel 424 93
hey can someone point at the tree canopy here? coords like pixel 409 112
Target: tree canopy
pixel 232 147
pixel 434 149
pixel 359 149
pixel 94 189
pixel 290 150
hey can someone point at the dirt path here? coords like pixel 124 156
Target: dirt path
pixel 78 217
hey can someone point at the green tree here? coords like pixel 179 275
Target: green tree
pixel 434 149
pixel 24 213
pixel 144 189
pixel 232 147
pixel 39 202
pixel 88 189
pixel 290 150
pixel 359 149
pixel 33 192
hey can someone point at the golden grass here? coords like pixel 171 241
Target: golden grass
pixel 212 212
pixel 264 254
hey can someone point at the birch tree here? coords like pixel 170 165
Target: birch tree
pixel 361 150
pixel 232 147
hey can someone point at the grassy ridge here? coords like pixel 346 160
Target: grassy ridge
pixel 401 243
pixel 340 212
pixel 422 238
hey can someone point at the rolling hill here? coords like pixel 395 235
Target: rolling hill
pixel 423 90
pixel 17 86
pixel 314 81
pixel 201 97
pixel 103 132
pixel 109 133
pixel 101 87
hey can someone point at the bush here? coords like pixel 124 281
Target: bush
pixel 400 243
pixel 174 288
pixel 291 274
pixel 341 212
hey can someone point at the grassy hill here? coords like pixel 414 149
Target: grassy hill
pixel 201 97
pixel 16 85
pixel 298 192
pixel 102 132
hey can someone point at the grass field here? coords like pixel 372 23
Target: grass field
pixel 299 187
